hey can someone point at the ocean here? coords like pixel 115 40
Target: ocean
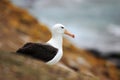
pixel 95 23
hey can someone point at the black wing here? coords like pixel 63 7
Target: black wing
pixel 40 51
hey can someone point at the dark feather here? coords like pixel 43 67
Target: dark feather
pixel 40 51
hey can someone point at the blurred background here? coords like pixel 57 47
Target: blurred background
pixel 94 22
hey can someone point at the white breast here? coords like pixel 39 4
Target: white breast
pixel 56 58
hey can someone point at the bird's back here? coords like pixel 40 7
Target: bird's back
pixel 40 51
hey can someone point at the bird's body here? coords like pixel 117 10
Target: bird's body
pixel 40 51
pixel 50 52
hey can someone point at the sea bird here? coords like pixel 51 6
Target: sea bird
pixel 50 52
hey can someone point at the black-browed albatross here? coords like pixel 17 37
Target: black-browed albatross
pixel 50 52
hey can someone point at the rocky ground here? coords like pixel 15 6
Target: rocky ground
pixel 17 27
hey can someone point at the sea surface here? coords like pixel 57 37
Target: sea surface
pixel 96 23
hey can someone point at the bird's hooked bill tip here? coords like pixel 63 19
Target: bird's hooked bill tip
pixel 73 36
pixel 70 34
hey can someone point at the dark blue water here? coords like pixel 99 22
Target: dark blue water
pixel 96 23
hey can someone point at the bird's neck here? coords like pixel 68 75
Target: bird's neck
pixel 56 41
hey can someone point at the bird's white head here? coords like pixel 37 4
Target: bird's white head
pixel 60 29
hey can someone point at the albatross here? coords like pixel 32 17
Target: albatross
pixel 50 52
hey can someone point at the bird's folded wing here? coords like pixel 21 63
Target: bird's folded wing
pixel 40 51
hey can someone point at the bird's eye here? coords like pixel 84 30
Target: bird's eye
pixel 62 27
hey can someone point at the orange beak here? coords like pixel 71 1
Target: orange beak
pixel 69 34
